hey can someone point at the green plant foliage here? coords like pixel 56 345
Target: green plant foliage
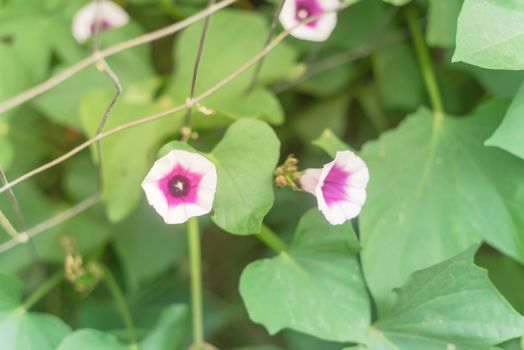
pixel 146 246
pixel 123 173
pixel 442 25
pixel 39 30
pixel 444 177
pixel 316 286
pixel 170 331
pixel 245 159
pixel 489 34
pixel 451 304
pixel 90 339
pixel 222 56
pixel 432 204
pixel 21 329
pixel 508 135
pixel 397 77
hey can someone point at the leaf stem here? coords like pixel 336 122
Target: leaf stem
pixel 425 63
pixel 271 239
pixel 52 282
pixel 195 261
pixel 118 296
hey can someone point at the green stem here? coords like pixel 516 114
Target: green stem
pixel 43 290
pixel 118 296
pixel 425 63
pixel 195 261
pixel 271 239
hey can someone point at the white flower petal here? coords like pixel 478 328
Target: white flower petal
pixel 156 198
pixel 309 180
pixel 359 178
pixel 84 19
pixel 356 195
pixel 209 179
pixel 205 198
pixel 161 168
pixel 176 214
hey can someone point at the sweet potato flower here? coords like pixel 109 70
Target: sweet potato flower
pixel 109 16
pixel 340 186
pixel 317 29
pixel 181 185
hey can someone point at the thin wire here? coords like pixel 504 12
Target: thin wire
pixel 103 67
pixel 270 34
pixel 188 104
pixel 186 129
pixel 25 236
pixel 47 85
pixel 18 212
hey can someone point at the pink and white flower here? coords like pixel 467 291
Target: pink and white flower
pixel 108 14
pixel 181 185
pixel 318 29
pixel 340 186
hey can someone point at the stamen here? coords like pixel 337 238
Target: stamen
pixel 179 186
pixel 303 14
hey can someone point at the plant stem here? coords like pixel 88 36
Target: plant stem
pixel 52 282
pixel 271 239
pixel 118 296
pixel 425 63
pixel 195 261
pixel 258 66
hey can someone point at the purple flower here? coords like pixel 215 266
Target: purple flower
pixel 109 16
pixel 181 185
pixel 318 29
pixel 340 187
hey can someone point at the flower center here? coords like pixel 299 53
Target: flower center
pixel 308 8
pixel 178 186
pixel 302 14
pixel 102 24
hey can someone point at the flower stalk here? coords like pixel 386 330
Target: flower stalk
pixel 43 289
pixel 195 262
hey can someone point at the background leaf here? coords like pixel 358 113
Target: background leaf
pixel 315 287
pixel 245 159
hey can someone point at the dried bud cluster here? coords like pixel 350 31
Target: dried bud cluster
pixel 288 174
pixel 84 278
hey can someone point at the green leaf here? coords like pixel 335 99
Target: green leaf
pixel 147 246
pixel 506 274
pixel 127 156
pixel 86 228
pixel 509 135
pixel 451 304
pixel 6 156
pixel 325 114
pixel 434 190
pixel 20 329
pixel 222 56
pixel 315 287
pixel 170 331
pixel 397 77
pixel 245 160
pixel 330 143
pixel 397 2
pixel 442 23
pixel 90 339
pixel 503 83
pixel 490 34
pixel 133 69
pixel 39 30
